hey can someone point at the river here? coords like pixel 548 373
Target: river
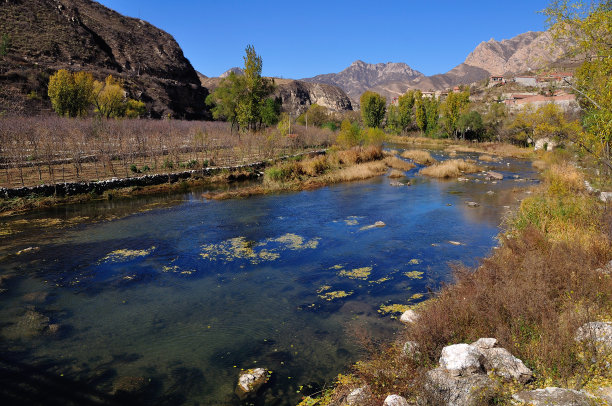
pixel 171 296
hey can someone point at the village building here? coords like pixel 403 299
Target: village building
pixel 566 101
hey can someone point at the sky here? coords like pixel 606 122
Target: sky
pixel 304 39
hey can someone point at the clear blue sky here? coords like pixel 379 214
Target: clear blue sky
pixel 303 39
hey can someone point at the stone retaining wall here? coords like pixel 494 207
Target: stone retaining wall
pixel 76 188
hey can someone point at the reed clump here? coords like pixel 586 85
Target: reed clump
pixel 419 156
pixel 451 168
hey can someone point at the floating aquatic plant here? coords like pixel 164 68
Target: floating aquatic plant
pixel 414 274
pixel 124 255
pixel 337 294
pixel 323 288
pixel 414 261
pixel 393 308
pixel 381 280
pixel 357 273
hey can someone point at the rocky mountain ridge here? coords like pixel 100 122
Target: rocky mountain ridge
pixel 361 76
pixel 524 52
pixel 83 35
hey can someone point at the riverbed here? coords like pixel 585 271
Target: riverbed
pixel 165 299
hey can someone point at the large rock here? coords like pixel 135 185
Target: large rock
pixel 461 360
pixel 409 316
pixel 494 176
pixel 445 388
pixel 395 400
pixel 296 96
pixel 250 381
pixel 553 397
pixel 600 333
pixel 500 362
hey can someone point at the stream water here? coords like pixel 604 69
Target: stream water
pixel 169 297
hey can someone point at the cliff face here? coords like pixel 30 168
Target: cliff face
pixel 47 35
pixel 298 95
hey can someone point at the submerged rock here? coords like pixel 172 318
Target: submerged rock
pixel 553 397
pixel 132 385
pixel 371 226
pixel 30 325
pixel 250 381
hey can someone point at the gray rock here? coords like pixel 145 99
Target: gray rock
pixel 553 397
pixel 358 397
pixel 395 400
pixel 605 196
pixel 411 349
pixel 447 389
pixel 600 333
pixel 606 269
pixel 494 176
pixel 378 224
pixel 490 192
pixel 409 316
pixel 500 362
pixel 461 360
pixel 472 204
pixel 485 343
pixel 250 381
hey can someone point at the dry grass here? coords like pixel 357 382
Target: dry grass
pixel 451 168
pixel 394 174
pixel 399 164
pixel 493 148
pixel 487 158
pixel 411 140
pixel 356 172
pixel 419 156
pixel 539 164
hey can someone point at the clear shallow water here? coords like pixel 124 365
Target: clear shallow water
pixel 190 291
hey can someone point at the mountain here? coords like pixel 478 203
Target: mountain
pixel 361 76
pixel 235 69
pixel 82 35
pixel 525 52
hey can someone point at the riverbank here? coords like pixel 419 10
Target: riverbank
pixel 546 279
pixel 22 199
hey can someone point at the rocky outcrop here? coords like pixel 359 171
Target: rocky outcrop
pixel 395 400
pixel 296 96
pixel 409 316
pixel 250 381
pixel 83 35
pixel 358 397
pixel 463 377
pixel 553 397
pixel 236 70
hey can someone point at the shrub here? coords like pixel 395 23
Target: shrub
pixel 315 166
pixel 134 168
pixel 397 163
pixel 168 164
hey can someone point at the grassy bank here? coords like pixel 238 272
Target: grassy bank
pixel 309 173
pixel 532 294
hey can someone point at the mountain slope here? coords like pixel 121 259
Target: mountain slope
pixel 47 35
pixel 361 76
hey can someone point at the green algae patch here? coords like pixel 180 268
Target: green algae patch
pixel 323 288
pixel 414 274
pixel 393 308
pixel 239 248
pixel 337 267
pixel 416 296
pixel 414 261
pixel 381 280
pixel 357 273
pixel 337 294
pixel 295 242
pixel 124 255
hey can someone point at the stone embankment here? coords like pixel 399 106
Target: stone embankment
pixel 98 187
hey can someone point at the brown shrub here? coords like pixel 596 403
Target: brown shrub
pixel 315 166
pixel 419 156
pixel 487 158
pixel 451 168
